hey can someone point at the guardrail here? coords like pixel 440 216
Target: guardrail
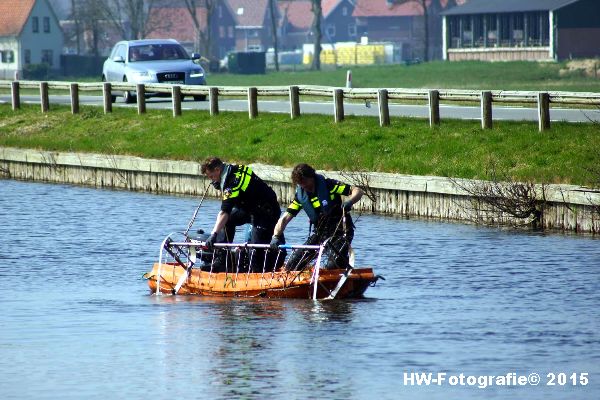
pixel 431 96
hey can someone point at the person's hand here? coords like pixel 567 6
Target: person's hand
pixel 275 242
pixel 347 206
pixel 210 242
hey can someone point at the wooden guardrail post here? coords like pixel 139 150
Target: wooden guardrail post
pixel 213 97
pixel 384 109
pixel 140 90
pixel 16 96
pixel 252 102
pixel 543 111
pixel 338 105
pixel 107 97
pixel 434 107
pixel 294 102
pixel 176 94
pixel 74 90
pixel 486 110
pixel 44 99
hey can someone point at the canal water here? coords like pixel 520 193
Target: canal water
pixel 459 302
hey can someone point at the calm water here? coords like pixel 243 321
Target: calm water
pixel 78 320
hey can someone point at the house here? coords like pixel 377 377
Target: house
pixel 29 34
pixel 297 17
pixel 522 30
pixel 175 21
pixel 253 30
pixel 295 23
pixel 388 21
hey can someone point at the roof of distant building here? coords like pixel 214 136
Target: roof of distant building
pixel 506 6
pixel 13 16
pixel 249 13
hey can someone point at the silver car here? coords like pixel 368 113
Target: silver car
pixel 152 61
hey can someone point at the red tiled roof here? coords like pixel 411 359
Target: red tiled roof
pixel 328 6
pixel 249 12
pixel 175 23
pixel 383 8
pixel 13 15
pixel 297 13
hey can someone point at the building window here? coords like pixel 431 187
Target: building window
pixel 46 23
pixel 27 56
pixel 344 11
pixel 35 24
pixel 330 31
pixel 230 31
pixel 221 32
pixel 8 56
pixel 352 30
pixel 47 57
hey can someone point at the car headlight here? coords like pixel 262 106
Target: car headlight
pixel 196 73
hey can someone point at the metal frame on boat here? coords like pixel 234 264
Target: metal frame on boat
pixel 180 270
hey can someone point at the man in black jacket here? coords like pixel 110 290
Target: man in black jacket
pixel 246 199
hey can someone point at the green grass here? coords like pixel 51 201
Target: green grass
pixel 565 154
pixel 477 75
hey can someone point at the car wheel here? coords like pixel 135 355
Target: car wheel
pixel 201 97
pixel 128 96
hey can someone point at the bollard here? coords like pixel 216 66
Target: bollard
pixel 74 89
pixel 486 110
pixel 384 110
pixel 141 98
pixel 338 105
pixel 349 79
pixel 543 111
pixel 107 97
pixel 44 99
pixel 252 102
pixel 16 97
pixel 213 96
pixel 434 107
pixel 294 102
pixel 176 94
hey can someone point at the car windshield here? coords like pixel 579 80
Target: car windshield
pixel 154 52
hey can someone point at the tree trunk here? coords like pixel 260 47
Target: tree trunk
pixel 318 13
pixel 274 29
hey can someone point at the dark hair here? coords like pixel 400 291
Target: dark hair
pixel 210 164
pixel 302 171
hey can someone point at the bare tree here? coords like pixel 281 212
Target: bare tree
pixel 430 8
pixel 87 17
pixel 317 10
pixel 503 200
pixel 202 27
pixel 129 17
pixel 274 30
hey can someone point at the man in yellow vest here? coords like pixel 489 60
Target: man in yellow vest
pixel 321 199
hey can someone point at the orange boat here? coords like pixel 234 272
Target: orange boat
pixel 181 275
pixel 279 284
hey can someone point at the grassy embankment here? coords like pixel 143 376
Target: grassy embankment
pixel 565 154
pixel 456 148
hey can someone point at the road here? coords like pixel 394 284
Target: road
pixel 366 109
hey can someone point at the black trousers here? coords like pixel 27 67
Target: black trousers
pixel 336 250
pixel 261 233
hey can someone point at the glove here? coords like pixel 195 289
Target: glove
pixel 216 185
pixel 275 242
pixel 347 206
pixel 210 242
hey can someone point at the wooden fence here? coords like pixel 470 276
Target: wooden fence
pixel 382 96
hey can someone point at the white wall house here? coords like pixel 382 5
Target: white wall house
pixel 29 34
